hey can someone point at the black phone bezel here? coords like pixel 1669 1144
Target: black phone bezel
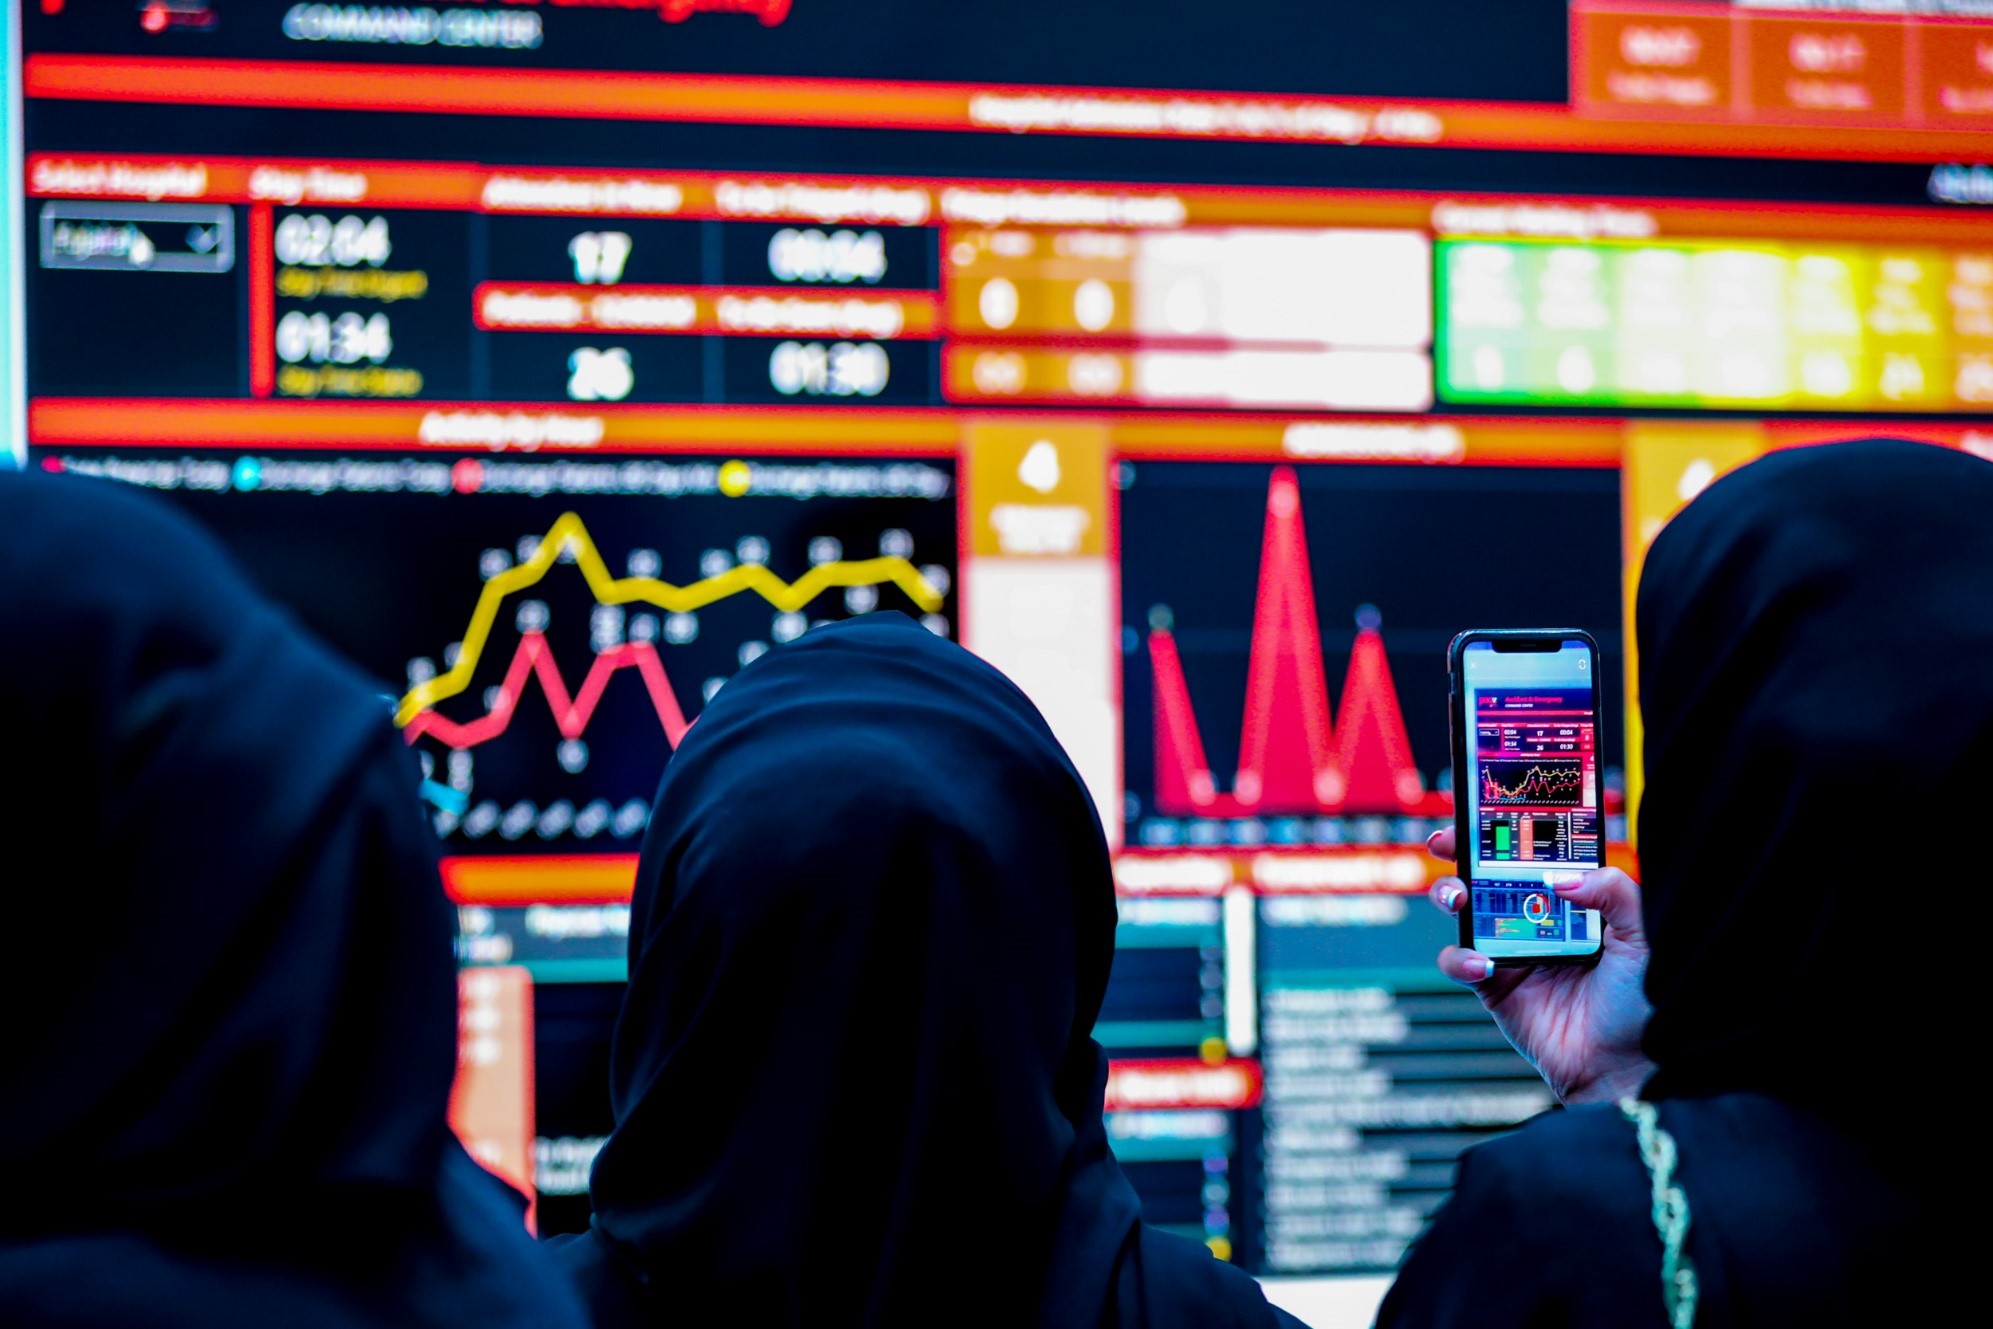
pixel 1513 639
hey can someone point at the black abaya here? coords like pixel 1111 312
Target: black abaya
pixel 227 1079
pixel 1814 632
pixel 854 1078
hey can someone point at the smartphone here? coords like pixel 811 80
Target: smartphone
pixel 1527 806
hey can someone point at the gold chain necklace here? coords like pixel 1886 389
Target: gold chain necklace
pixel 1671 1212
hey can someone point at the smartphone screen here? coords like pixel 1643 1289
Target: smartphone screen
pixel 1530 727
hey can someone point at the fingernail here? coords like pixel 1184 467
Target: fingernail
pixel 1450 897
pixel 1480 968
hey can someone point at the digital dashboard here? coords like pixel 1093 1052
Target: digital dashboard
pixel 554 361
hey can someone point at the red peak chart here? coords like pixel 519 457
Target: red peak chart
pixel 1315 605
pixel 1293 761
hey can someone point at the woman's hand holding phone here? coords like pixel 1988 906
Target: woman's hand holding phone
pixel 1579 1025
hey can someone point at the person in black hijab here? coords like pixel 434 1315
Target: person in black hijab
pixel 1814 631
pixel 854 1078
pixel 231 1003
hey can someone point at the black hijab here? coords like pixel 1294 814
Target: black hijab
pixel 854 1077
pixel 1816 678
pixel 226 1086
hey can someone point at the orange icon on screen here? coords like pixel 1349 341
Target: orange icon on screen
pixel 1536 908
pixel 1040 468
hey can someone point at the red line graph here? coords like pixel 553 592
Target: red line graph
pixel 1291 762
pixel 571 713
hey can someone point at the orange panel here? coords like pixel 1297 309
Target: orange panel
pixel 1036 489
pixel 1653 63
pixel 1826 70
pixel 491 1103
pixel 1957 81
pixel 541 879
pixel 998 372
pixel 141 422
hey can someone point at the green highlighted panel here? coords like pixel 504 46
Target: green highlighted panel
pixel 1709 323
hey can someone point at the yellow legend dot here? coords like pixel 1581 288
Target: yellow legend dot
pixel 1220 1247
pixel 1213 1050
pixel 735 479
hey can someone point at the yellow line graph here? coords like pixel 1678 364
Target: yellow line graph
pixel 568 532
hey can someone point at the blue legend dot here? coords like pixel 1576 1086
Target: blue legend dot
pixel 248 473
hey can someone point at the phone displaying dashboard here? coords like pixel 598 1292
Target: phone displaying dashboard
pixel 1528 808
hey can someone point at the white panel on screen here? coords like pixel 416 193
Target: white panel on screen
pixel 1328 1303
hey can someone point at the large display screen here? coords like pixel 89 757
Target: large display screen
pixel 1206 375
